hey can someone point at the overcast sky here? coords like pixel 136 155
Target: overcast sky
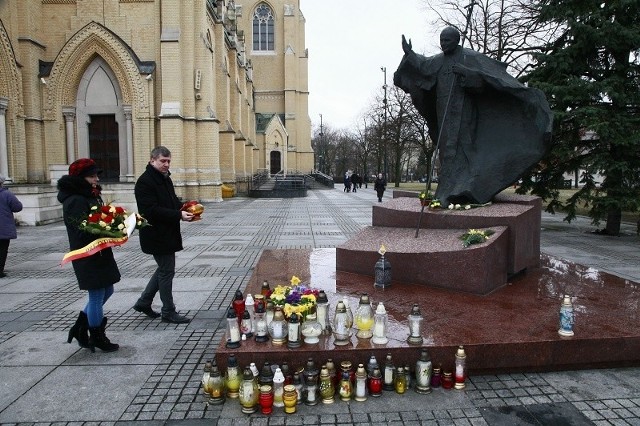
pixel 348 42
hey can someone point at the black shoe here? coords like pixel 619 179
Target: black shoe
pixel 146 310
pixel 2 275
pixel 175 318
pixel 98 339
pixel 80 331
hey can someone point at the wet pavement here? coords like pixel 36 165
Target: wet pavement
pixel 155 376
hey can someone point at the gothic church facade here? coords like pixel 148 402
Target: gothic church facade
pixel 223 85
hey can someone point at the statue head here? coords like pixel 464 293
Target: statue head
pixel 449 39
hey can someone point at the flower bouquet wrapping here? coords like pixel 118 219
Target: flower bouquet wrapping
pixel 294 298
pixel 113 224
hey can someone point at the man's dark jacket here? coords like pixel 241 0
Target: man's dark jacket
pixel 158 203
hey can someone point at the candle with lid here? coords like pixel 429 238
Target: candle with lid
pixel 461 368
pixel 278 388
pixel 322 311
pixel 233 330
pixel 380 320
pixel 341 326
pixel 278 328
pixel 361 384
pixel 249 392
pixel 205 378
pixel 423 373
pixel 238 304
pixel 216 386
pixel 293 331
pixel 233 377
pixel 364 317
pixel 415 326
pixel 250 306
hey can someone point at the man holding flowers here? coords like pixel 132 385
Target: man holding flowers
pixel 158 203
pixel 79 194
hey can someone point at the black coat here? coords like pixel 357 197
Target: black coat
pixel 158 203
pixel 99 270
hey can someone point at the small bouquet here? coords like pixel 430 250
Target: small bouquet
pixel 195 208
pixel 112 221
pixel 476 236
pixel 296 298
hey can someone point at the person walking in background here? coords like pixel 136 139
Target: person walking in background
pixel 380 185
pixel 158 203
pixel 78 192
pixel 347 182
pixel 9 204
pixel 355 180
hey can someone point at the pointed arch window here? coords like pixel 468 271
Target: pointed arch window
pixel 263 23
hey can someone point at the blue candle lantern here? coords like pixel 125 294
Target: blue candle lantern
pixel 566 317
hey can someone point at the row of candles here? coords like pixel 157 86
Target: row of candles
pixel 277 386
pixel 257 318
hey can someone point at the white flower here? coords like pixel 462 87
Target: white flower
pixel 121 226
pixel 457 206
pixel 451 206
pixel 467 207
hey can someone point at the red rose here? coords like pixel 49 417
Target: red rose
pixel 108 219
pixel 119 210
pixel 94 218
pixel 105 209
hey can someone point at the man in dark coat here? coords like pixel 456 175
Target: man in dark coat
pixel 158 203
pixel 489 128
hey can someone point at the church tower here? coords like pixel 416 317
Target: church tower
pixel 274 33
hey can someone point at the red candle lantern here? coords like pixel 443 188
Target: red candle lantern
pixel 266 399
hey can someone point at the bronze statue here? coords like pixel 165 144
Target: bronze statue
pixel 489 128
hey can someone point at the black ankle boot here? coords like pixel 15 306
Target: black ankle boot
pixel 80 331
pixel 98 339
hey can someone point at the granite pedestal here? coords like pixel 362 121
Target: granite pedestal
pixel 513 329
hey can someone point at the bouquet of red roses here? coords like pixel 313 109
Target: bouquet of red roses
pixel 114 225
pixel 112 221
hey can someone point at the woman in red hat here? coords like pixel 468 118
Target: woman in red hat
pixel 78 192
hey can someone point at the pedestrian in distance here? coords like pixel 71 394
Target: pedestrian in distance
pixel 380 185
pixel 159 205
pixel 78 192
pixel 9 204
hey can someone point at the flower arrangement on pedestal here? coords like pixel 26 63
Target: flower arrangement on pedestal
pixel 476 236
pixel 295 298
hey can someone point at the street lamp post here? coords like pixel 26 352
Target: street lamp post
pixel 384 125
pixel 321 165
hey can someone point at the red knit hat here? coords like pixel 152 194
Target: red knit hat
pixel 84 167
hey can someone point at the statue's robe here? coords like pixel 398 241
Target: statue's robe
pixel 491 127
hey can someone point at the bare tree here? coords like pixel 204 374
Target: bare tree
pixel 506 30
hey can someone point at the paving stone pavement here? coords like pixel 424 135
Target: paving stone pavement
pixel 155 376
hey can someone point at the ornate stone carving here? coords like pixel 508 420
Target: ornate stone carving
pixel 77 54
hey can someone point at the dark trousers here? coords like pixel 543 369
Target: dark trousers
pixel 4 249
pixel 161 281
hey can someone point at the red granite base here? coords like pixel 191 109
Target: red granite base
pixel 520 213
pixel 435 258
pixel 513 329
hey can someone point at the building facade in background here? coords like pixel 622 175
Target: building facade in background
pixel 223 85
